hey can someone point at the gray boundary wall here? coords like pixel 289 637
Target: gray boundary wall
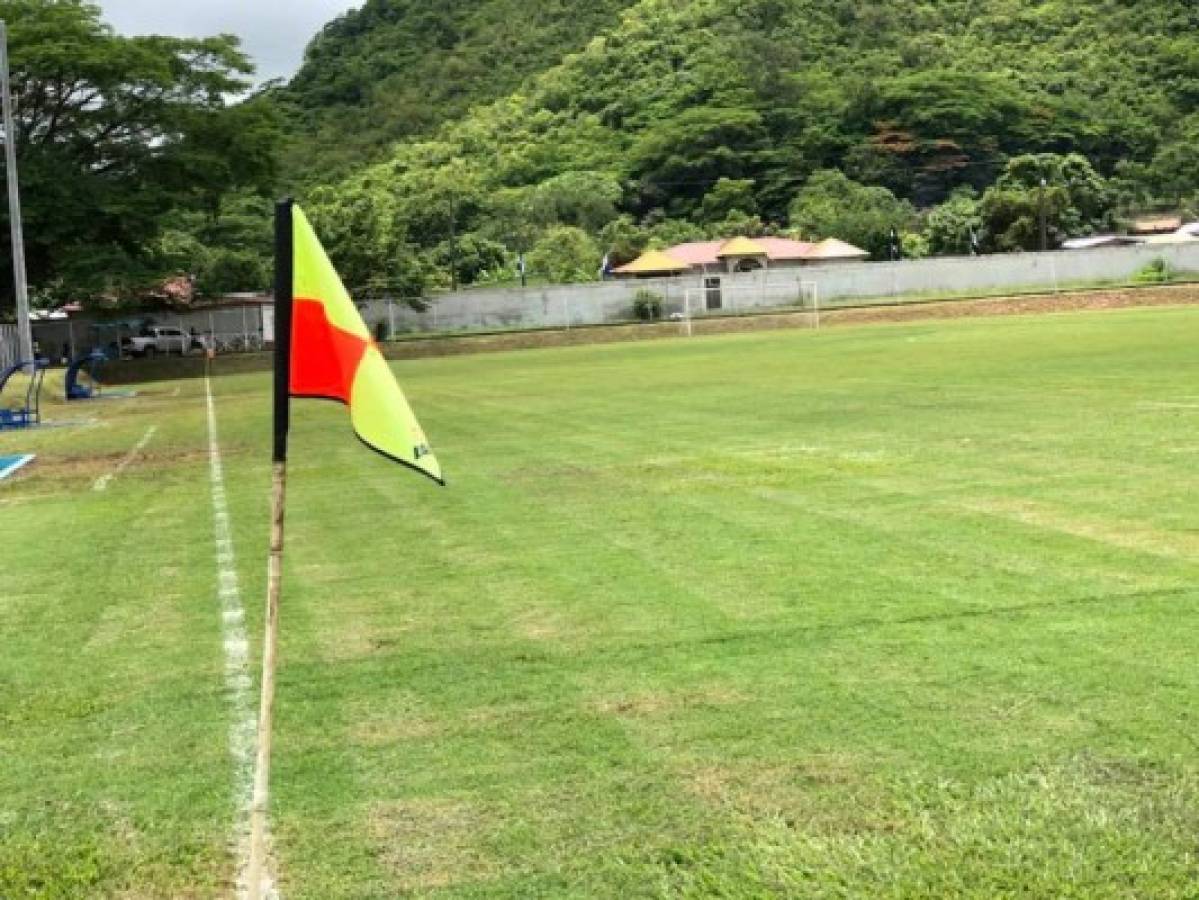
pixel 837 284
pixel 559 306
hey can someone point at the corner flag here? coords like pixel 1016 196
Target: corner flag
pixel 324 350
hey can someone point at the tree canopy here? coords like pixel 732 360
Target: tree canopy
pixel 114 136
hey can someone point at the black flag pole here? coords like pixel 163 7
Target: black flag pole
pixel 284 280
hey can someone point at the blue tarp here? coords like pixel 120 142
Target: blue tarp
pixel 10 464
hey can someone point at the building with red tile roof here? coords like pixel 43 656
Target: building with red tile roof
pixel 740 254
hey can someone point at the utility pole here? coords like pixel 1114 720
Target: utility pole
pixel 24 330
pixel 1041 214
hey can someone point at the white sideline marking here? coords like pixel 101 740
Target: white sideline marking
pixel 102 483
pixel 243 730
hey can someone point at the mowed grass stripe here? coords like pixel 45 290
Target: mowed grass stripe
pixel 111 699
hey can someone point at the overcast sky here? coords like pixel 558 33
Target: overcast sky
pixel 273 34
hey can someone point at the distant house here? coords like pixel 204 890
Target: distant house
pixel 1101 240
pixel 1157 225
pixel 1185 234
pixel 740 254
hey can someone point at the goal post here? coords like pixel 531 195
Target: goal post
pixel 702 302
pixel 809 299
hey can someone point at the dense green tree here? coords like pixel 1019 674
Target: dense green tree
pixel 565 253
pixel 831 205
pixel 115 135
pixel 1074 199
pixel 586 200
pixel 950 226
pixel 728 196
pixel 681 159
pixel 934 130
pixel 623 240
pixel 1174 172
pixel 471 257
pixel 227 270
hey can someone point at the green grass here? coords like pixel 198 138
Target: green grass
pixel 892 611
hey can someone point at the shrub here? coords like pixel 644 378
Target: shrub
pixel 1155 272
pixel 647 305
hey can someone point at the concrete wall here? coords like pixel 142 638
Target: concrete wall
pixel 611 302
pixel 834 284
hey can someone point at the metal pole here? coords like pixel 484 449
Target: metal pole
pixel 1041 214
pixel 391 320
pixel 24 329
pixel 453 244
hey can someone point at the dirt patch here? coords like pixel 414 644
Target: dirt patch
pixel 380 731
pixel 431 843
pixel 648 704
pixel 68 467
pixel 1134 536
pixel 818 792
pixel 1122 298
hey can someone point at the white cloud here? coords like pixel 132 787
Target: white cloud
pixel 273 34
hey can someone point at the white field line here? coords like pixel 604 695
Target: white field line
pixel 243 729
pixel 102 483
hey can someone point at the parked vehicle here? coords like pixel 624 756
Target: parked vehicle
pixel 164 339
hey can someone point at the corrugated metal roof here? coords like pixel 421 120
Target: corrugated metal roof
pixel 1100 240
pixel 832 248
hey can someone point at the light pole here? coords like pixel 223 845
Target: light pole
pixel 24 330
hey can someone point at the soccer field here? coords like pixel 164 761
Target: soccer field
pixel 888 611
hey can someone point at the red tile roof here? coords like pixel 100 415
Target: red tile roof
pixel 707 253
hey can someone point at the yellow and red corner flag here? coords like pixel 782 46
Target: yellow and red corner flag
pixel 323 349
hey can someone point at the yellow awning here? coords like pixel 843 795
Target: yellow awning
pixel 741 246
pixel 655 262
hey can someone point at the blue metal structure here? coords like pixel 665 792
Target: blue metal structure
pixel 10 464
pixel 31 413
pixel 92 360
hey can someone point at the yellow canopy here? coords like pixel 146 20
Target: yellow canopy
pixel 654 262
pixel 741 246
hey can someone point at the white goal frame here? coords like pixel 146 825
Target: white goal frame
pixel 695 302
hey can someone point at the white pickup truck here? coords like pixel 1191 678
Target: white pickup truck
pixel 157 339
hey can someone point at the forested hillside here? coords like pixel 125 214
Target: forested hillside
pixel 398 68
pixel 679 118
